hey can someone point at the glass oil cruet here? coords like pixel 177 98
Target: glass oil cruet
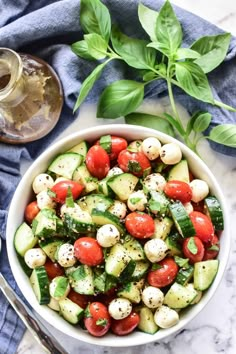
pixel 30 97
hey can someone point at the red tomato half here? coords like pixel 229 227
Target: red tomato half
pixel 88 251
pixel 117 145
pixel 97 162
pixel 178 190
pixel 193 249
pixel 140 225
pixel 98 320
pixel 126 325
pixel 79 299
pixel 133 162
pixel 203 226
pixel 61 189
pixel 212 251
pixel 31 211
pixel 53 269
pixel 165 275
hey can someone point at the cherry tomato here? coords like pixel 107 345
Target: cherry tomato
pixel 126 325
pixel 79 299
pixel 203 226
pixel 88 251
pixel 61 189
pixel 133 162
pixel 98 320
pixel 212 251
pixel 178 190
pixel 140 225
pixel 165 275
pixel 53 269
pixel 117 145
pixel 97 162
pixel 31 211
pixel 193 249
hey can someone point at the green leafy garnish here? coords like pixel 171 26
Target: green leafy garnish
pixel 134 166
pixel 191 245
pixel 182 262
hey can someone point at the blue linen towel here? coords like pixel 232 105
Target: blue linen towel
pixel 46 28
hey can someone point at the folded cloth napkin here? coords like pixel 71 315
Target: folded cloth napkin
pixel 46 28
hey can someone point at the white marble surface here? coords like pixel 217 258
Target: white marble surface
pixel 214 329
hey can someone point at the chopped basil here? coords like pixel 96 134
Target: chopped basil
pixel 51 194
pixel 156 266
pixel 192 246
pixel 105 143
pixel 213 248
pixel 182 262
pixel 134 166
pixel 135 200
pixel 101 322
pixel 69 199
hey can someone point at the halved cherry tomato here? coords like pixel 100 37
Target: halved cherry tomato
pixel 203 226
pixel 165 275
pixel 97 162
pixel 88 251
pixel 193 249
pixel 31 211
pixel 140 225
pixel 117 145
pixel 126 325
pixel 61 189
pixel 97 319
pixel 133 162
pixel 53 269
pixel 212 250
pixel 178 190
pixel 79 299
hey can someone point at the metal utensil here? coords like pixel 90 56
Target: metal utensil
pixel 37 329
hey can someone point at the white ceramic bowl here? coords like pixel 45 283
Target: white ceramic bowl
pixel 22 197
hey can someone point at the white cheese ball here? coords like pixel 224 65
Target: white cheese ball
pixel 56 283
pixel 119 308
pixel 137 201
pixel 114 171
pixel 166 317
pixel 200 190
pixel 118 209
pixel 54 304
pixel 65 255
pixel 107 235
pixel 155 250
pixel 45 201
pixel 154 182
pixel 152 297
pixel 35 257
pixel 170 154
pixel 42 182
pixel 188 207
pixel 151 148
pixel 69 210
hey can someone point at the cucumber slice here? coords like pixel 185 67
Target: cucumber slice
pixel 173 244
pixel 215 212
pixel 104 188
pixel 40 284
pixel 179 172
pixel 65 164
pixel 141 268
pixel 147 323
pixel 82 148
pixel 123 185
pixel 81 280
pixel 117 260
pixel 79 224
pixel 179 296
pixel 181 219
pixel 95 201
pixel 83 176
pixel 49 246
pixel 24 239
pixel 105 217
pixel 131 292
pixel 134 248
pixel 45 223
pixel 184 275
pixel 162 227
pixel 127 273
pixel 204 273
pixel 70 311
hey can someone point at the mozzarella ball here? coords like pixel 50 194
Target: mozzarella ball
pixel 54 304
pixel 155 250
pixel 152 297
pixel 137 201
pixel 170 154
pixel 118 209
pixel 200 190
pixel 70 210
pixel 45 201
pixel 35 257
pixel 166 317
pixel 114 171
pixel 65 255
pixel 151 148
pixel 108 235
pixel 42 182
pixel 59 285
pixel 154 182
pixel 135 146
pixel 188 207
pixel 119 308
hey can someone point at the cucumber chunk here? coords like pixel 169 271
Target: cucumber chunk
pixel 81 148
pixel 215 212
pixel 134 248
pixel 95 201
pixel 184 275
pixel 179 172
pixel 179 296
pixel 181 219
pixel 131 292
pixel 24 239
pixel 141 268
pixel 65 164
pixel 40 284
pixel 70 311
pixel 123 185
pixel 105 217
pixel 83 176
pixel 117 260
pixel 49 246
pixel 147 323
pixel 81 280
pixel 162 227
pixel 204 273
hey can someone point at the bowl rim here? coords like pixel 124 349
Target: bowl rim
pixel 136 338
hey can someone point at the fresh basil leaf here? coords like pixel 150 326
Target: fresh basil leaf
pixel 80 48
pixel 134 166
pixel 224 134
pixel 150 121
pixel 174 123
pixel 95 18
pixel 150 75
pixel 186 53
pixel 106 143
pixel 120 98
pixel 193 81
pixel 79 273
pixel 191 245
pixel 161 47
pixel 133 51
pixel 214 248
pixel 69 198
pixel 213 50
pixel 154 205
pixel 202 122
pixel 101 322
pixel 182 262
pixel 135 200
pixel 168 28
pixel 156 266
pixel 191 121
pixel 51 194
pixel 61 286
pixel 88 84
pixel 97 46
pixel 148 18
